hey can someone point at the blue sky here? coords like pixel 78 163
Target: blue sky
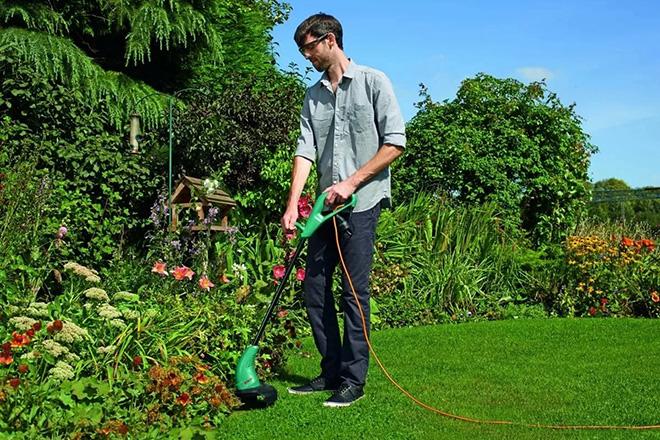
pixel 604 56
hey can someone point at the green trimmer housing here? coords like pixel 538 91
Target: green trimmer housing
pixel 251 392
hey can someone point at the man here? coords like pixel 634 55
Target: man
pixel 352 128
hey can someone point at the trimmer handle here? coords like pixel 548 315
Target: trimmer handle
pixel 319 216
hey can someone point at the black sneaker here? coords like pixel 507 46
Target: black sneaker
pixel 314 386
pixel 346 395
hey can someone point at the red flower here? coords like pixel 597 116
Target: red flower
pixel 300 274
pixel 23 368
pixel 36 326
pixel 603 301
pixel 182 272
pixel 137 361
pixel 592 311
pixel 6 358
pixel 278 271
pixel 183 399
pixel 57 325
pixel 30 332
pixel 304 206
pixel 6 347
pixel 14 382
pixel 205 283
pixel 160 268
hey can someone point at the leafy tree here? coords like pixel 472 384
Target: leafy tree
pixel 119 52
pixel 505 142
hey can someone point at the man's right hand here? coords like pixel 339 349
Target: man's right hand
pixel 289 220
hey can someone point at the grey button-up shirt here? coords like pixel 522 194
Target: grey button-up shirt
pixel 342 131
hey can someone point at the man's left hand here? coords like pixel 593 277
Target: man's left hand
pixel 339 193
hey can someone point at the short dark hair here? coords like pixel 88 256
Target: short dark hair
pixel 318 25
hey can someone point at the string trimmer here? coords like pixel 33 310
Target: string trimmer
pixel 251 392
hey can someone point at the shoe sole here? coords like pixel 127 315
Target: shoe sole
pixel 303 393
pixel 341 405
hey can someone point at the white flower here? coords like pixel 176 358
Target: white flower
pixel 125 296
pixel 96 294
pixel 70 333
pixel 84 272
pixel 107 311
pixel 110 349
pixel 62 371
pixel 118 323
pixel 131 315
pixel 38 310
pixel 22 323
pixel 54 349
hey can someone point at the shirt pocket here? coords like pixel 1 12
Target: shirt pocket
pixel 321 127
pixel 361 117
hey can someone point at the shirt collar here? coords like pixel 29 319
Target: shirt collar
pixel 349 74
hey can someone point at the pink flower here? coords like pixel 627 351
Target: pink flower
pixel 278 271
pixel 160 268
pixel 289 235
pixel 182 272
pixel 304 206
pixel 205 283
pixel 300 274
pixel 62 232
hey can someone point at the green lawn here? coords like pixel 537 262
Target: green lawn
pixel 555 371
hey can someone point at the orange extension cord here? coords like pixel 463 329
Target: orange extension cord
pixel 455 416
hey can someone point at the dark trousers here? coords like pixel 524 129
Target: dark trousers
pixel 346 361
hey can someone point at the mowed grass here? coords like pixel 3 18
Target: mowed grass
pixel 555 371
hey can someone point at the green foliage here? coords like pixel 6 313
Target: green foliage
pixel 120 52
pixel 96 188
pixel 504 142
pixel 243 135
pixel 451 261
pixel 631 211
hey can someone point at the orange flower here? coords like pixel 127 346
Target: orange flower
pixel 19 340
pixel 201 378
pixel 183 399
pixel 627 242
pixel 205 283
pixel 160 268
pixel 649 244
pixel 224 279
pixel 655 297
pixel 182 272
pixel 6 358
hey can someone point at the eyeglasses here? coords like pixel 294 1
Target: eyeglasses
pixel 312 44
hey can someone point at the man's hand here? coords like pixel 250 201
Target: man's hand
pixel 339 192
pixel 289 221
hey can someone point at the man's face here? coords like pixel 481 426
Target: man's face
pixel 316 50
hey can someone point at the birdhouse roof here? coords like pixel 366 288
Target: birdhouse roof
pixel 185 187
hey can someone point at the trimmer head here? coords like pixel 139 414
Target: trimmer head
pixel 260 397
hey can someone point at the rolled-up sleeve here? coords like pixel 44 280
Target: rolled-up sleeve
pixel 391 126
pixel 306 144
